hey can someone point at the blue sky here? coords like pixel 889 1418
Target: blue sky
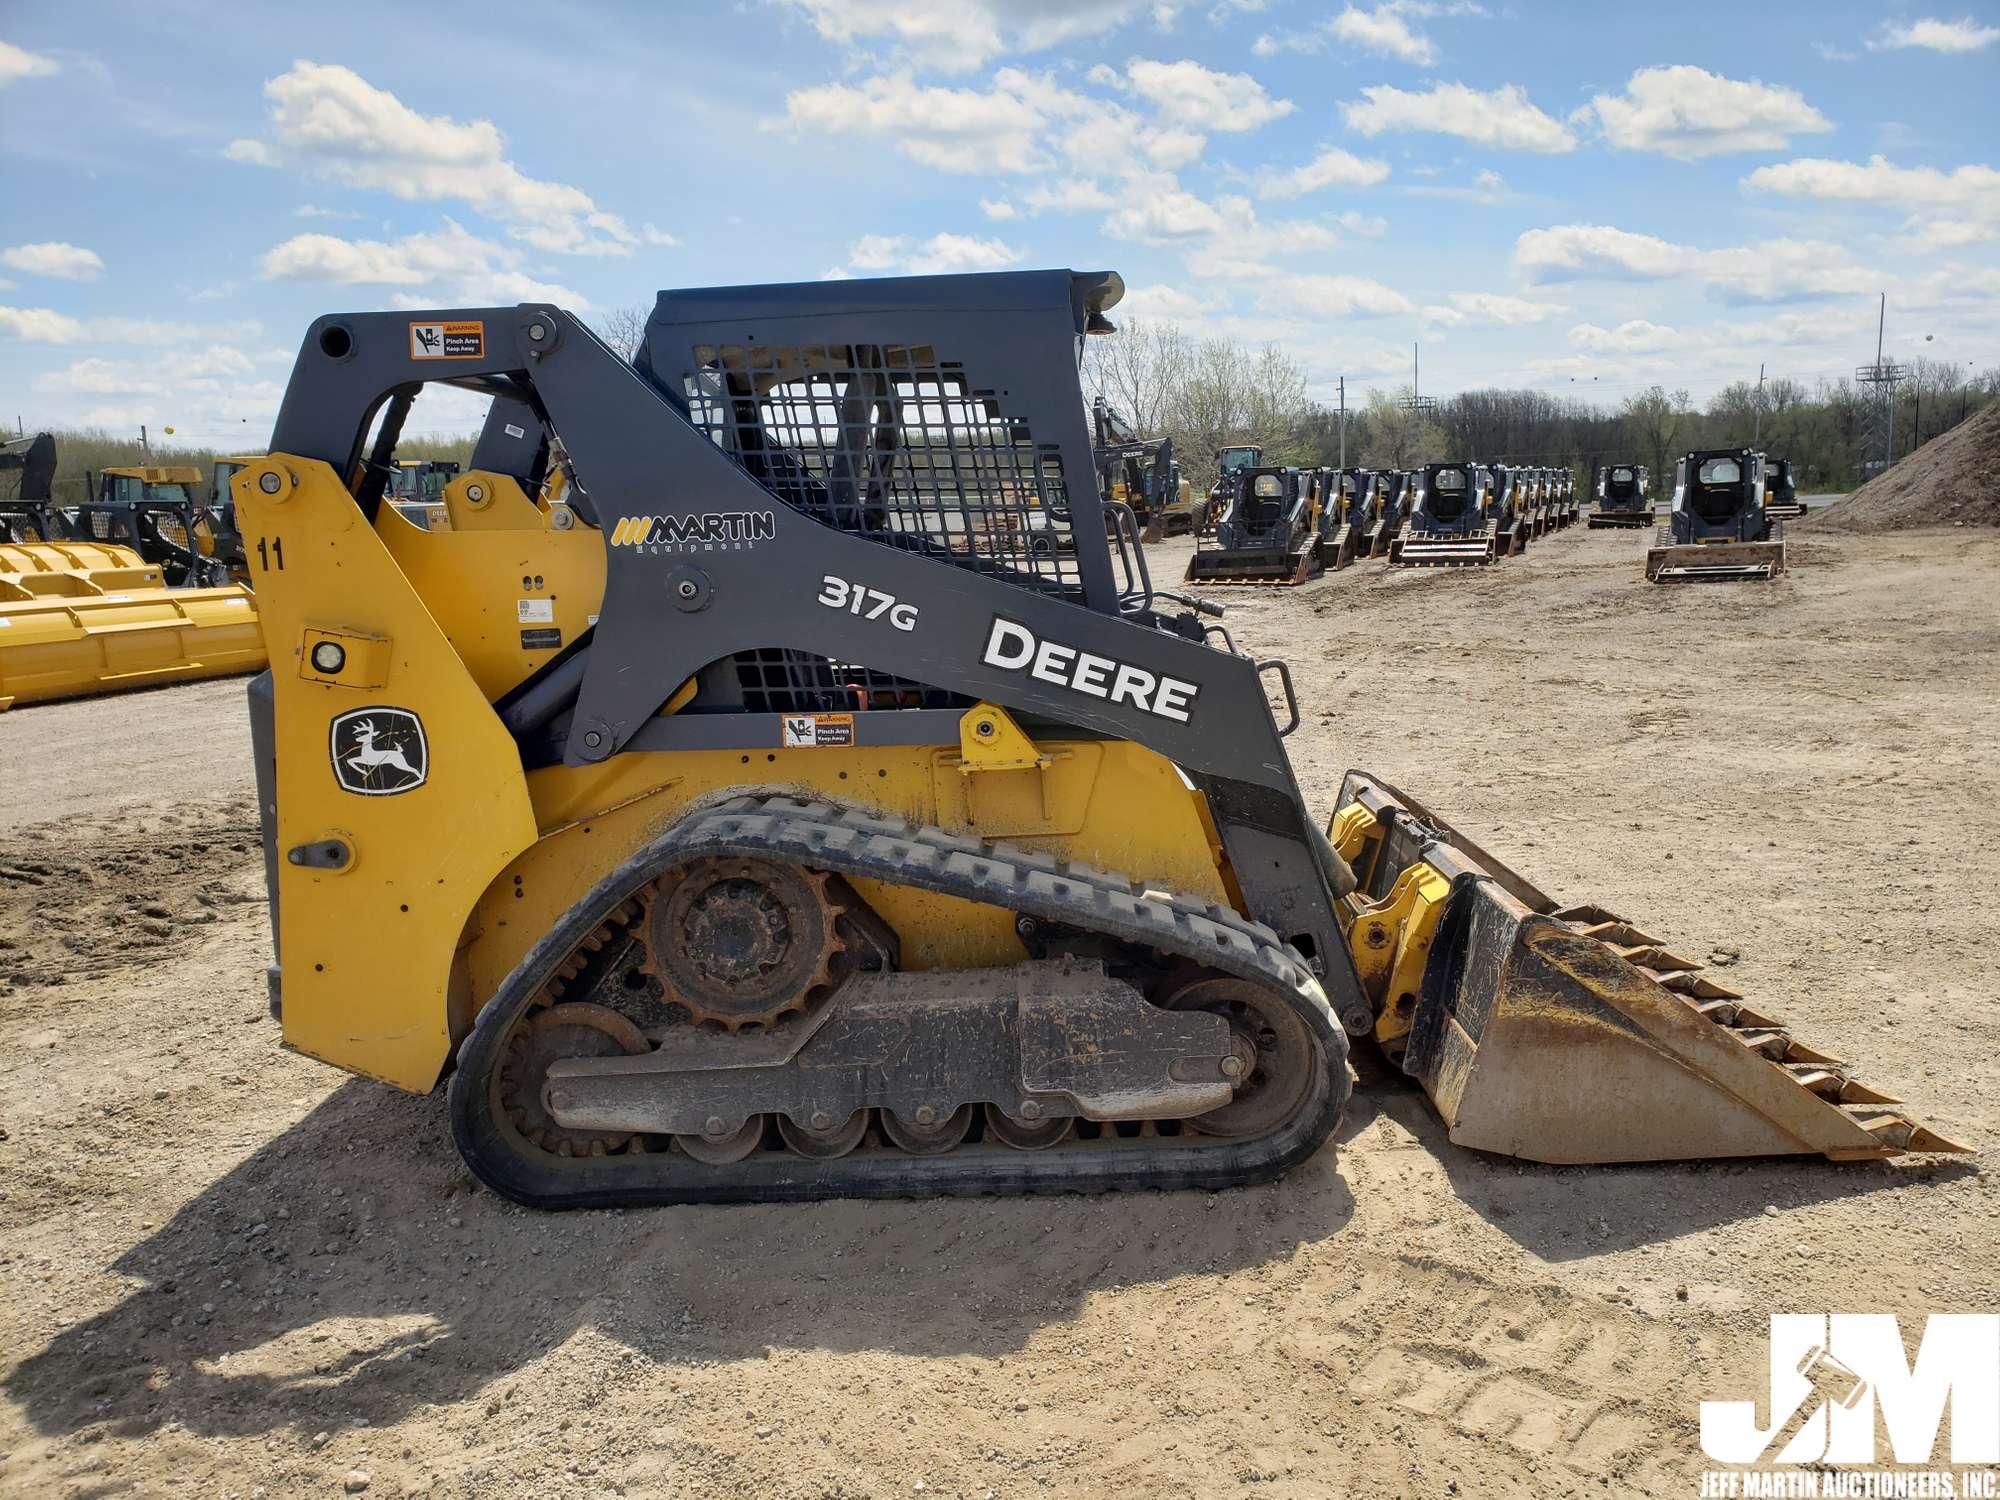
pixel 1573 196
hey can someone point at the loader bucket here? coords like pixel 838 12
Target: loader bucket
pixel 79 618
pixel 1714 562
pixel 1422 549
pixel 1567 1035
pixel 1246 565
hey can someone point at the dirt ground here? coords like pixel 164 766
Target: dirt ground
pixel 230 1271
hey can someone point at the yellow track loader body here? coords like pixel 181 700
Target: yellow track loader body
pixel 867 911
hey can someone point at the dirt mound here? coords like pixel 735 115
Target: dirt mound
pixel 1952 480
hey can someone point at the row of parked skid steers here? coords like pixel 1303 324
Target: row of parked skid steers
pixel 146 581
pixel 1285 525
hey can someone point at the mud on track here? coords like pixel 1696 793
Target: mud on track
pixel 216 1252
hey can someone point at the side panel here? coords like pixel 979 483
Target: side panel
pixel 381 854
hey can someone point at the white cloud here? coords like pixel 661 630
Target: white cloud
pixel 1634 337
pixel 450 261
pixel 941 254
pixel 317 211
pixel 1161 213
pixel 55 258
pixel 1945 209
pixel 1186 93
pixel 1366 226
pixel 1936 36
pixel 1381 30
pixel 16 64
pixel 1163 303
pixel 331 124
pixel 1488 187
pixel 1323 296
pixel 960 35
pixel 40 325
pixel 1333 167
pixel 998 209
pixel 1773 270
pixel 1688 113
pixel 1502 117
pixel 1067 195
pixel 1491 310
pixel 650 234
pixel 1383 33
pixel 1575 250
pixel 978 132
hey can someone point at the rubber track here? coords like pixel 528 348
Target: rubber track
pixel 858 843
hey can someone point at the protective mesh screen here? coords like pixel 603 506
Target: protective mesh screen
pixel 895 444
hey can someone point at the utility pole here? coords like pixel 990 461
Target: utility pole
pixel 144 450
pixel 1343 421
pixel 1883 377
pixel 1757 427
pixel 1419 403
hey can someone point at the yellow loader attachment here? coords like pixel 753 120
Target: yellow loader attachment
pixel 83 617
pixel 1566 1034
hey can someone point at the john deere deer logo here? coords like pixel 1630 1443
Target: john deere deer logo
pixel 378 752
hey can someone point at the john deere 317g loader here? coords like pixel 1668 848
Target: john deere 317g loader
pixel 767 820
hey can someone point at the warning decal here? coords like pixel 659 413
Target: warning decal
pixel 447 341
pixel 817 731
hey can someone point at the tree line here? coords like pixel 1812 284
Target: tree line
pixel 1206 393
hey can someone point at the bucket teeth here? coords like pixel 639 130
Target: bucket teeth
pixel 1566 1034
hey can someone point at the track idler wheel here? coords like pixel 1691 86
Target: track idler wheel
pixel 1273 1051
pixel 559 1031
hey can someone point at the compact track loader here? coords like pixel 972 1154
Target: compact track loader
pixel 416 488
pixel 1141 474
pixel 1271 532
pixel 769 821
pixel 1781 495
pixel 1395 491
pixel 1570 506
pixel 1355 509
pixel 1461 515
pixel 1230 463
pixel 1717 529
pixel 28 513
pixel 1622 498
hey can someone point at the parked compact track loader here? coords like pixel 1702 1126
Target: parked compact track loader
pixel 28 512
pixel 1140 474
pixel 772 823
pixel 1230 463
pixel 1395 491
pixel 1717 529
pixel 1461 515
pixel 1622 499
pixel 1781 495
pixel 1271 532
pixel 1357 497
